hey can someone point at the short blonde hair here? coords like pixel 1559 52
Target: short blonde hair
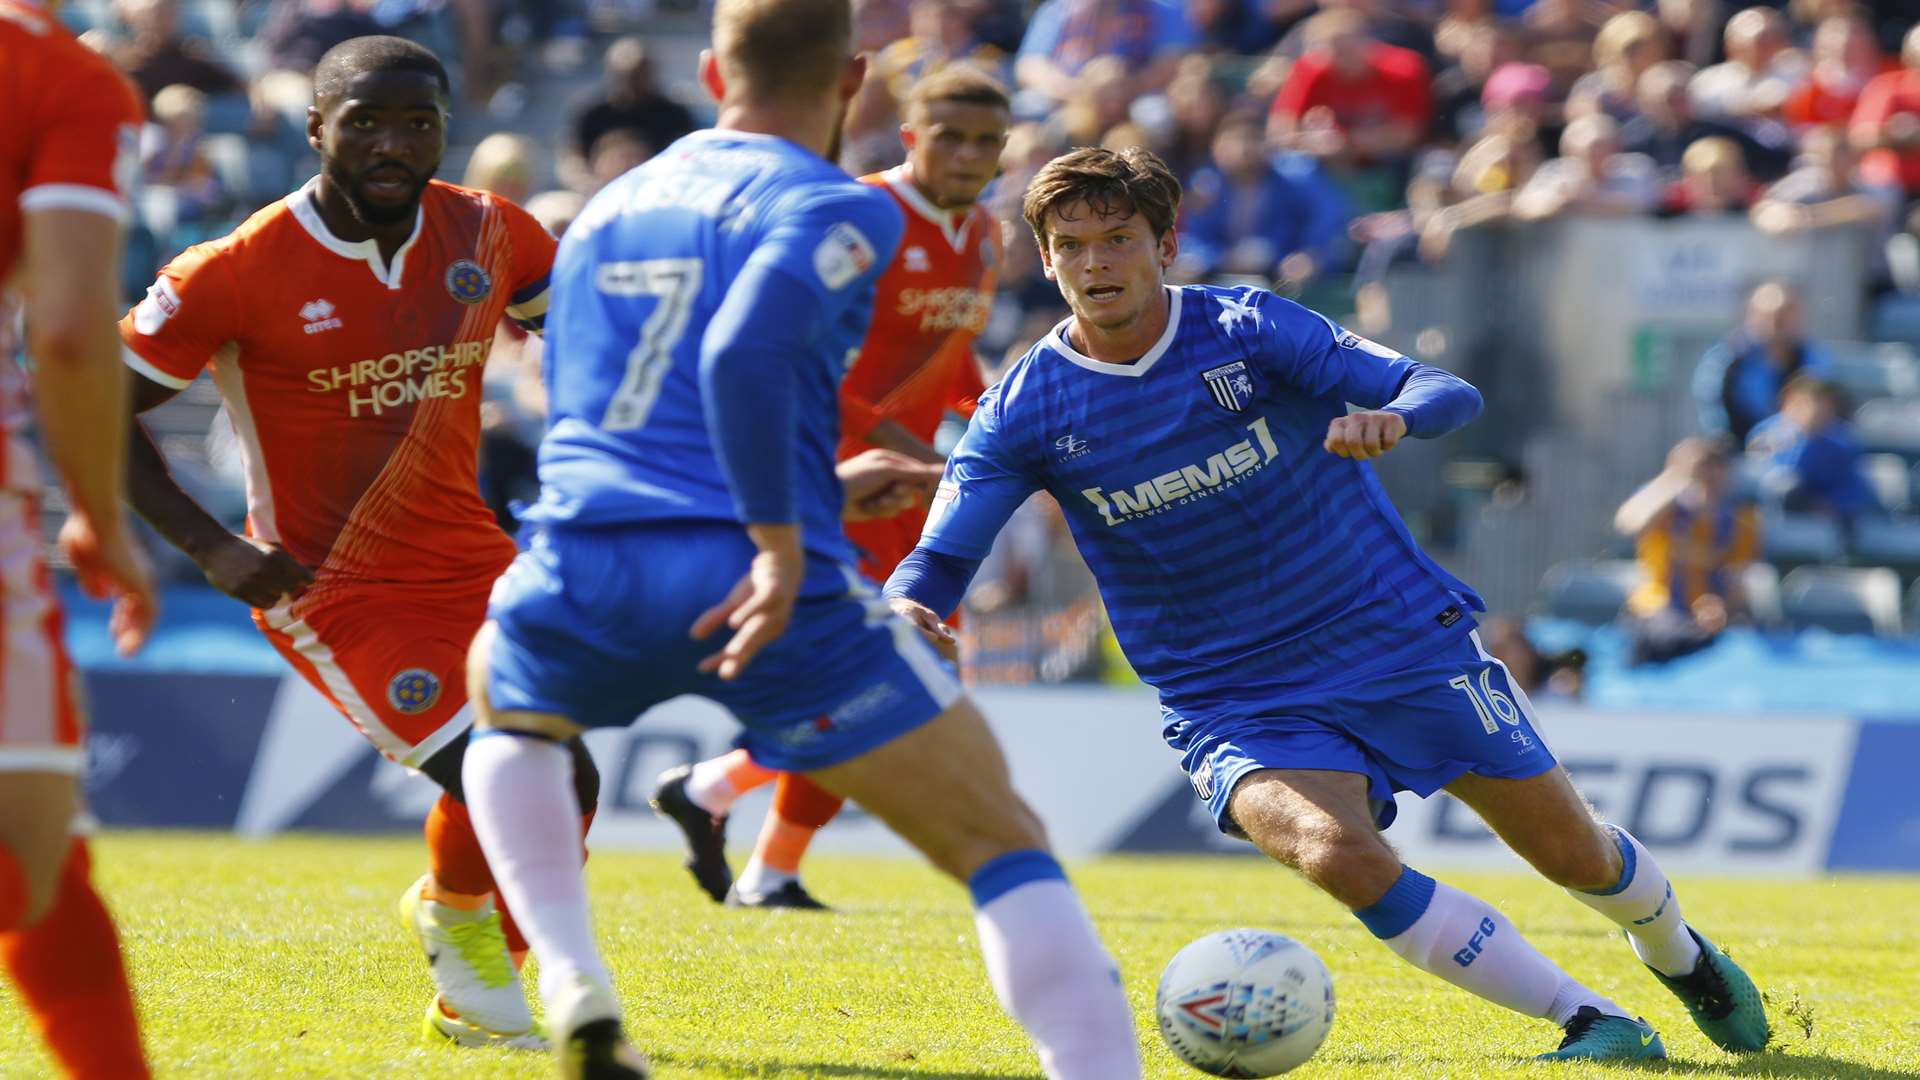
pixel 783 47
pixel 1705 155
pixel 1620 34
pixel 179 102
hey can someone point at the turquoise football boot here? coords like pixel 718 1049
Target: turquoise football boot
pixel 1722 1000
pixel 1594 1036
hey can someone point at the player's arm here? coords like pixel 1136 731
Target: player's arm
pixel 168 338
pixel 802 276
pixel 533 251
pixel 71 255
pixel 985 483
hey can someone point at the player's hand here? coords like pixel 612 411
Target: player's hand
pixel 111 564
pixel 257 573
pixel 1365 435
pixel 881 483
pixel 760 604
pixel 938 634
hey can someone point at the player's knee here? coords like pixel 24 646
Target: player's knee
pixel 586 775
pixel 982 838
pixel 1587 863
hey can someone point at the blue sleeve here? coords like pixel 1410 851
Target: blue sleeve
pixel 809 269
pixel 1316 356
pixel 936 581
pixel 1043 31
pixel 1172 28
pixel 985 483
pixel 1709 390
pixel 1434 402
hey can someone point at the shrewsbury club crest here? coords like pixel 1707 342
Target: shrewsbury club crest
pixel 1231 385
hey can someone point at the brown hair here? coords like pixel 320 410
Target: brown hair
pixel 1111 183
pixel 783 47
pixel 961 83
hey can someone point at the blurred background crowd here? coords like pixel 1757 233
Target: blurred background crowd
pixel 1677 243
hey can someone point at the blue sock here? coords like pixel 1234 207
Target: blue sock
pixel 1005 873
pixel 1392 914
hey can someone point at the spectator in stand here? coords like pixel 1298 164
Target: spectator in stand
pixel 555 210
pixel 1845 58
pixel 1244 26
pixel 1692 29
pixel 631 101
pixel 1758 74
pixel 1738 381
pixel 1485 182
pixel 879 23
pixel 1545 677
pixel 1353 101
pixel 1826 190
pixel 1196 103
pixel 1666 126
pixel 1592 176
pixel 1886 123
pixel 1627 46
pixel 1694 539
pixel 941 33
pixel 156 56
pixel 1713 180
pixel 299 32
pixel 504 164
pixel 1249 213
pixel 1517 103
pixel 1065 35
pixel 614 155
pixel 173 161
pixel 1808 457
pixel 1102 98
pixel 1559 37
pixel 1459 115
pixel 1393 237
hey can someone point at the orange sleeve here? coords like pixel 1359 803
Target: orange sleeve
pixel 1745 545
pixel 1876 103
pixel 189 313
pixel 87 149
pixel 533 248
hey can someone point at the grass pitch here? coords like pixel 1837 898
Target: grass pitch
pixel 285 959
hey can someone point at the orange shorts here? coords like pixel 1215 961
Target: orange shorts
pixel 392 660
pixel 43 725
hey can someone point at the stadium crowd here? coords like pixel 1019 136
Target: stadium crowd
pixel 1321 144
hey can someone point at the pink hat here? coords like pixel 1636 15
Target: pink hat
pixel 1516 84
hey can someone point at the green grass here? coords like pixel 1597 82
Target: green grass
pixel 285 959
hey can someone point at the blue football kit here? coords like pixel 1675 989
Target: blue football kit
pixel 1265 587
pixel 705 308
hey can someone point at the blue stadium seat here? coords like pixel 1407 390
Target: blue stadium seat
pixel 1843 600
pixel 1892 542
pixel 1875 369
pixel 1913 609
pixel 1892 481
pixel 1799 539
pixel 1890 425
pixel 1761 584
pixel 1591 591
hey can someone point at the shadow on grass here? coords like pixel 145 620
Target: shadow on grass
pixel 762 1066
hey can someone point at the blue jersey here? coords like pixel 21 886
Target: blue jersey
pixel 727 240
pixel 1236 556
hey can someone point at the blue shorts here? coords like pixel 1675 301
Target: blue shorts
pixel 1417 729
pixel 592 625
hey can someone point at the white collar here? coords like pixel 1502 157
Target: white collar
pixel 307 212
pixel 953 223
pixel 1059 341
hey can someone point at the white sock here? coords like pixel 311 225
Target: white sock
pixel 1466 941
pixel 1643 904
pixel 709 787
pixel 759 879
pixel 520 795
pixel 1051 972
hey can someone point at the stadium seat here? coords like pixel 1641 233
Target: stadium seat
pixel 1892 480
pixel 1890 425
pixel 1843 600
pixel 1798 539
pixel 1761 583
pixel 1892 542
pixel 1868 370
pixel 1591 591
pixel 1913 609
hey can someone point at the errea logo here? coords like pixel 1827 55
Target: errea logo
pixel 319 316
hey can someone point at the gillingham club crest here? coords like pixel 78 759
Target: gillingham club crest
pixel 412 691
pixel 1231 385
pixel 467 282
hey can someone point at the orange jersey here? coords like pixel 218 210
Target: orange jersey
pixel 354 385
pixel 917 363
pixel 69 140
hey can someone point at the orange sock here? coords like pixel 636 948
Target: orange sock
pixel 68 969
pixel 800 808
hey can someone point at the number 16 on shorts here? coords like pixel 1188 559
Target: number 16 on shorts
pixel 1488 703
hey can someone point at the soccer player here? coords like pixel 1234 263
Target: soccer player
pixel 705 307
pixel 346 327
pixel 915 366
pixel 1311 660
pixel 68 136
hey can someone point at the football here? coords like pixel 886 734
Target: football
pixel 1245 1003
